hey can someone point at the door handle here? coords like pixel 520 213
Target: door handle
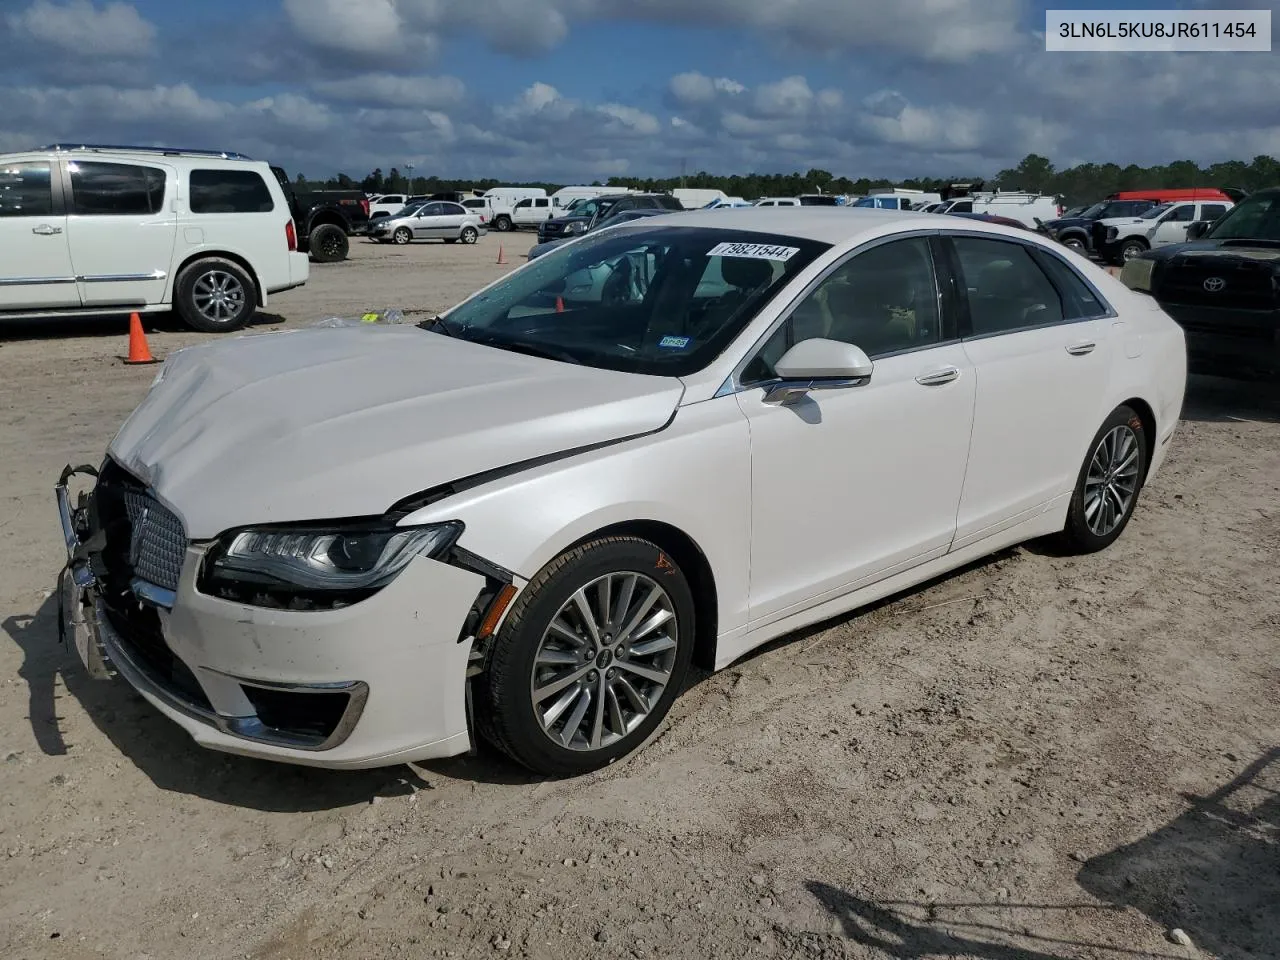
pixel 1080 349
pixel 45 230
pixel 937 377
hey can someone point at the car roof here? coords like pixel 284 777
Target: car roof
pixel 825 224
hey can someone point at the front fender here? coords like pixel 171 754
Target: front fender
pixel 695 475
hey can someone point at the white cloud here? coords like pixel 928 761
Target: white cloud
pixel 367 27
pixel 114 30
pixel 391 90
pixel 631 119
pixel 694 87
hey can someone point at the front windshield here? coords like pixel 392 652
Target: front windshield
pixel 1093 211
pixel 590 208
pixel 1156 212
pixel 1256 218
pixel 650 299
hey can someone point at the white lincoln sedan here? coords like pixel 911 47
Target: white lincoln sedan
pixel 662 444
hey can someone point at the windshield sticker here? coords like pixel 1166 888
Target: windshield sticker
pixel 753 251
pixel 678 343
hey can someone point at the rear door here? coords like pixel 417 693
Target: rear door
pixel 121 228
pixel 1038 337
pixel 35 259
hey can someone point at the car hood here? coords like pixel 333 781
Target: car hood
pixel 1218 251
pixel 1125 222
pixel 1065 222
pixel 331 423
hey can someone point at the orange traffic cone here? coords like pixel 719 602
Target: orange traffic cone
pixel 559 304
pixel 501 256
pixel 139 352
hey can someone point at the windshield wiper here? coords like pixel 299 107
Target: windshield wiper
pixel 530 348
pixel 440 325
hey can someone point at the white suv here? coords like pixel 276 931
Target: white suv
pixel 96 230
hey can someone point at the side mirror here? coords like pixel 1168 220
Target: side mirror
pixel 1198 229
pixel 818 364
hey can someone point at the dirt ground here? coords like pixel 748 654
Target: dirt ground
pixel 1038 757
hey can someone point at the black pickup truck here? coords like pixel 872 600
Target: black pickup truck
pixel 325 219
pixel 1223 288
pixel 1077 232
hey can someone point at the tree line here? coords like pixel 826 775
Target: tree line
pixel 1084 183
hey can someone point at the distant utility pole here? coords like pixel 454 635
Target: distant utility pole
pixel 409 167
pixel 682 165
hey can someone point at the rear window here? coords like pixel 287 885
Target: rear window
pixel 229 191
pixel 115 189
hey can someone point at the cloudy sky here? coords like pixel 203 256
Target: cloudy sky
pixel 572 90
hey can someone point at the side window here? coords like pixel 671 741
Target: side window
pixel 455 209
pixel 541 203
pixel 1212 211
pixel 884 300
pixel 115 189
pixel 25 190
pixel 1079 302
pixel 229 191
pixel 1007 291
pixel 1183 213
pixel 964 206
pixel 434 209
pixel 524 204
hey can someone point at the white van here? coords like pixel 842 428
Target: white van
pixel 1024 207
pixel 695 199
pixel 510 196
pixel 898 198
pixel 777 202
pixel 566 195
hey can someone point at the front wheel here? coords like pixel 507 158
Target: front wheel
pixel 1131 249
pixel 1107 488
pixel 1076 244
pixel 470 235
pixel 402 235
pixel 215 296
pixel 591 657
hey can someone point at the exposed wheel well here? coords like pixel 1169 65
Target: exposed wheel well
pixel 320 219
pixel 1141 241
pixel 209 254
pixel 695 566
pixel 1148 418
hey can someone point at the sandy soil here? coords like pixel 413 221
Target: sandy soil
pixel 1039 757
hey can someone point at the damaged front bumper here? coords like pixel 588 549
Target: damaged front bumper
pixel 379 682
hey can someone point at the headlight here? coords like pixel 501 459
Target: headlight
pixel 305 567
pixel 1136 274
pixel 577 226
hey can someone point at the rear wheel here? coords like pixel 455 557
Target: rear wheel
pixel 502 224
pixel 215 296
pixel 328 243
pixel 1107 488
pixel 591 657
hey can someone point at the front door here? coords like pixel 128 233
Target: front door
pixel 35 262
pixel 121 227
pixel 853 485
pixel 1172 226
pixel 1039 339
pixel 426 225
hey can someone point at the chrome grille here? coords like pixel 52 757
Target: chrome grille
pixel 157 543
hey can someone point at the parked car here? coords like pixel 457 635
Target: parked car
pixel 432 220
pixel 1076 233
pixel 673 441
pixel 603 223
pixel 388 203
pixel 1118 240
pixel 579 218
pixel 325 219
pixel 778 202
pixel 1223 286
pixel 1029 209
pixel 90 230
pixel 531 212
pixel 991 218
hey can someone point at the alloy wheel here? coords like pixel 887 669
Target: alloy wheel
pixel 1112 480
pixel 218 296
pixel 604 661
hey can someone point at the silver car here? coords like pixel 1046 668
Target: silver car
pixel 434 220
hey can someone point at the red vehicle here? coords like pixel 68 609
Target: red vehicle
pixel 1173 196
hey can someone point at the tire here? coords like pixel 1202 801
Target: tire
pixel 1121 436
pixel 328 243
pixel 1130 249
pixel 197 299
pixel 1076 244
pixel 469 235
pixel 528 650
pixel 402 236
pixel 502 224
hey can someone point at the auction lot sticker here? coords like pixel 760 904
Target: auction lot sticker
pixel 1180 31
pixel 753 251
